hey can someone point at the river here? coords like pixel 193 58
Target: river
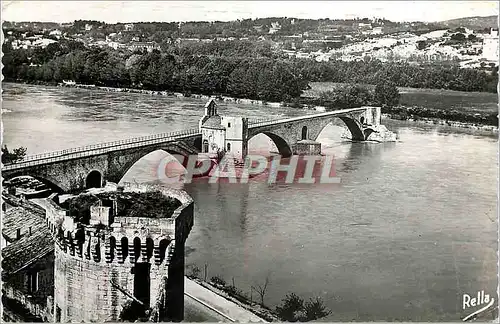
pixel 411 228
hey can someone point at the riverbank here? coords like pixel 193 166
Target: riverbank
pixel 460 117
pixel 171 94
pixel 454 117
pixel 225 304
pixel 233 295
pixel 487 130
pixel 158 93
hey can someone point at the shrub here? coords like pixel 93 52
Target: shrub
pixel 386 94
pixel 195 271
pixel 131 312
pixel 314 309
pixel 217 280
pixel 291 304
pixel 294 309
pixel 16 155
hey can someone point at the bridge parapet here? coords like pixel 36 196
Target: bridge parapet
pixel 262 121
pixel 98 149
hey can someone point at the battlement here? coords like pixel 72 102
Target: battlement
pixel 120 243
pixel 109 238
pixel 106 247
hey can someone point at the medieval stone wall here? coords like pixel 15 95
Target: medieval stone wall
pixel 95 268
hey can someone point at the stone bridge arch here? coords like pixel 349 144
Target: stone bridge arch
pixel 315 127
pixel 120 164
pixel 281 142
pixel 288 133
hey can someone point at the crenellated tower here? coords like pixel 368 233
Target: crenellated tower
pixel 115 262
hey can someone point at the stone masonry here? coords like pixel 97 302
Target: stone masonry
pixel 99 268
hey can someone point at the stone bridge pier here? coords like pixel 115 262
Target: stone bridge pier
pixel 298 135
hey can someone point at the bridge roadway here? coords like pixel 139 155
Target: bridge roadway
pixel 97 149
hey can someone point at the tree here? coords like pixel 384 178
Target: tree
pixel 346 96
pixel 472 37
pixel 315 309
pixel 16 155
pixel 261 290
pixel 293 309
pixel 421 44
pixel 459 37
pixel 386 94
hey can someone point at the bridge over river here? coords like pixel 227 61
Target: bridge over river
pixel 88 166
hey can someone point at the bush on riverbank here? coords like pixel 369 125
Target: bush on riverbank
pixel 405 113
pixel 294 309
pixel 385 94
pixel 287 311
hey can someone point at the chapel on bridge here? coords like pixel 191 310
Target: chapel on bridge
pixel 222 134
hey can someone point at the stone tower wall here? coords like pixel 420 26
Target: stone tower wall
pixel 95 268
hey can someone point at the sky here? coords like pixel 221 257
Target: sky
pixel 167 11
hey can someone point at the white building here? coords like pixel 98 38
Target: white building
pixel 148 46
pixel 490 45
pixel 55 32
pixel 275 27
pixel 377 31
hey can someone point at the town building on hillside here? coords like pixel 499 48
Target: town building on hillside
pixel 56 33
pixel 362 26
pixel 258 28
pixel 377 31
pixel 148 46
pixel 490 45
pixel 330 28
pixel 67 25
pixel 185 41
pixel 128 27
pixel 275 27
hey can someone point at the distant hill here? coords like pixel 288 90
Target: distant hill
pixel 473 23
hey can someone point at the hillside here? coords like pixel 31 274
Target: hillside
pixel 473 23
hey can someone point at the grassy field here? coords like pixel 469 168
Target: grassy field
pixel 470 102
